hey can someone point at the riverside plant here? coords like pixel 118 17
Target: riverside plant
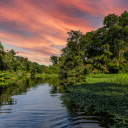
pixel 7 78
pixel 105 93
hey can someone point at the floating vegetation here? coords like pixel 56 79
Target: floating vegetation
pixel 105 93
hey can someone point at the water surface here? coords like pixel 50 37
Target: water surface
pixel 36 104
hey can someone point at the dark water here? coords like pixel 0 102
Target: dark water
pixel 36 104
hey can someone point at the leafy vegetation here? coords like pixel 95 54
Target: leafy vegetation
pixel 7 78
pixel 43 75
pixel 104 94
pixel 9 61
pixel 13 67
pixel 104 50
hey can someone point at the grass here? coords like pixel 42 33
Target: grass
pixel 105 93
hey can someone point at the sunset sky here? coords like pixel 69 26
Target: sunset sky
pixel 38 29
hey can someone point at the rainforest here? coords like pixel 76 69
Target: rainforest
pixel 91 72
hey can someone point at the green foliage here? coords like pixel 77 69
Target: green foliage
pixel 89 69
pixel 104 93
pixel 54 60
pixel 1 47
pixel 123 19
pixel 110 20
pixel 52 69
pixel 9 61
pixel 43 75
pixel 102 51
pixel 7 78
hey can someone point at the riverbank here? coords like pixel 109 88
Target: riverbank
pixel 7 78
pixel 43 75
pixel 104 94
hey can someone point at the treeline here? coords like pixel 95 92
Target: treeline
pixel 102 51
pixel 9 61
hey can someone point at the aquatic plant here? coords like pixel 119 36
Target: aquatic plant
pixel 105 93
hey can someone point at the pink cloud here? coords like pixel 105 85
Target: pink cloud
pixel 41 26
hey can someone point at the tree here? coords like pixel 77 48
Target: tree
pixel 12 52
pixel 54 59
pixel 71 57
pixel 110 20
pixel 103 50
pixel 123 19
pixel 1 47
pixel 10 62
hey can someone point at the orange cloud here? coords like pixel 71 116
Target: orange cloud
pixel 39 27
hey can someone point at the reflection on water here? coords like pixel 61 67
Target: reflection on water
pixel 71 80
pixel 36 104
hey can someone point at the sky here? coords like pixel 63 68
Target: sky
pixel 37 29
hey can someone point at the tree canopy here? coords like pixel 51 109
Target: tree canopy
pixel 104 50
pixel 9 61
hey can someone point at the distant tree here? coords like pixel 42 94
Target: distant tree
pixel 54 60
pixel 12 52
pixel 10 62
pixel 1 47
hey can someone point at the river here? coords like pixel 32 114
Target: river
pixel 36 104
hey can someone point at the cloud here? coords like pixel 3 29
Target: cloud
pixel 37 28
